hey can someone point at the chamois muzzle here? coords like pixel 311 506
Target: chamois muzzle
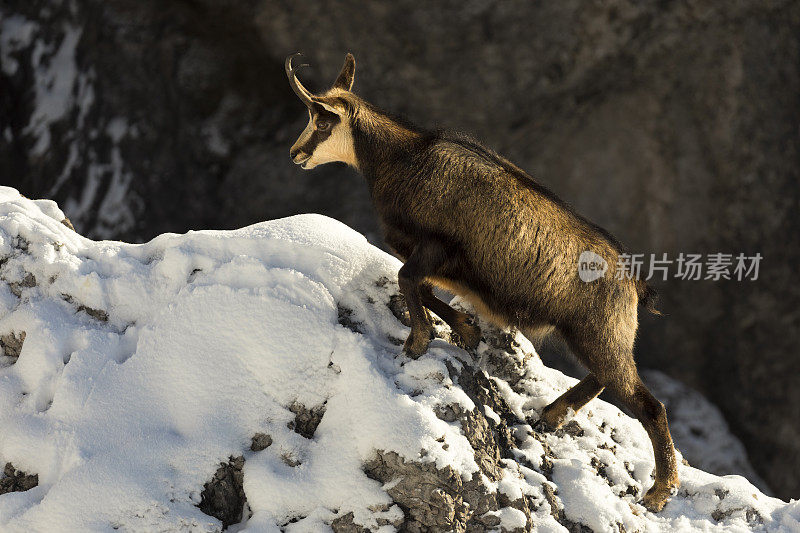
pixel 300 91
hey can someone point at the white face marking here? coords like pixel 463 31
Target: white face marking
pixel 338 147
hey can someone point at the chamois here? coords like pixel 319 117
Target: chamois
pixel 465 219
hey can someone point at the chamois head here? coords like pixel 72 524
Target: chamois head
pixel 328 136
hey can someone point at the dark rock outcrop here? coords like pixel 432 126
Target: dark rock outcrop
pixel 14 480
pixel 306 420
pixel 223 497
pixel 11 343
pixel 261 441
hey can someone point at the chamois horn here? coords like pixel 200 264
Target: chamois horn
pixel 301 91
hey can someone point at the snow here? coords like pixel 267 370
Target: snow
pixel 16 33
pixel 117 128
pixel 145 366
pixel 56 75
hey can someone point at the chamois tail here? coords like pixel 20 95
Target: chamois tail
pixel 648 297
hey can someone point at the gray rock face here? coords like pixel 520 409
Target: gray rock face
pixel 306 420
pixel 674 125
pixel 261 441
pixel 13 480
pixel 11 344
pixel 438 499
pixel 223 497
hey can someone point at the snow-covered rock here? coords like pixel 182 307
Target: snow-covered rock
pixel 143 383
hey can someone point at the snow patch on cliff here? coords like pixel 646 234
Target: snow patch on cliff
pixel 62 93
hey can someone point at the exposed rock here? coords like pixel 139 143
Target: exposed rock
pixel 223 497
pixel 557 511
pixel 14 480
pixel 345 317
pixel 448 412
pixel 345 524
pixel 486 436
pixel 503 358
pixel 571 428
pixel 261 441
pixel 97 314
pixel 431 499
pixel 306 420
pixel 11 343
pixel 20 244
pixel 290 459
pixel 437 499
pixel 28 281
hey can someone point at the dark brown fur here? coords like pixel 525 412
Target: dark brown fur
pixel 465 219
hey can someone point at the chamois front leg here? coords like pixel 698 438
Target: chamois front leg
pixel 425 260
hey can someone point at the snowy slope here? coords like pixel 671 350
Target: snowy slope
pixel 143 367
pixel 700 430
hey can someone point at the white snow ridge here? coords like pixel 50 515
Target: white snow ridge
pixel 131 373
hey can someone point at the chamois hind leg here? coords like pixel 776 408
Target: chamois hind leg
pixel 611 362
pixel 616 369
pixel 575 398
pixel 653 416
pixel 459 322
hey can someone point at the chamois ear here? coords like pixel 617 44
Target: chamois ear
pixel 346 76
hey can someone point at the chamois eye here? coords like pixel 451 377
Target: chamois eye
pixel 323 125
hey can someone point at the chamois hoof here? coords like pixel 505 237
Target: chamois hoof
pixel 553 416
pixel 469 334
pixel 659 495
pixel 416 344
